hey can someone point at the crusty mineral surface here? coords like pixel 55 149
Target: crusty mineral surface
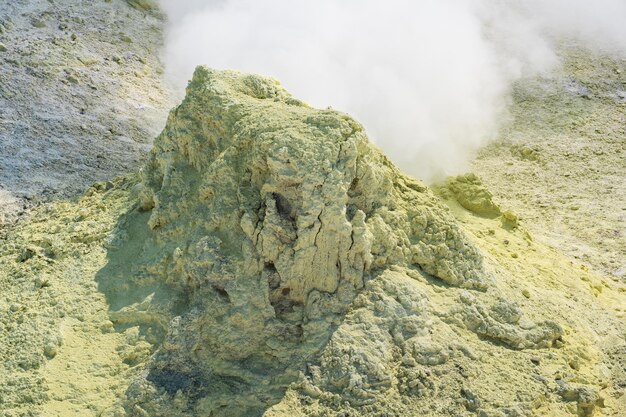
pixel 269 218
pixel 283 251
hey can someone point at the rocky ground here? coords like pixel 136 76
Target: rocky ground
pixel 81 96
pixel 182 291
pixel 60 355
pixel 134 301
pixel 561 162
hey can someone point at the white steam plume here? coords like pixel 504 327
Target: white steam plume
pixel 429 79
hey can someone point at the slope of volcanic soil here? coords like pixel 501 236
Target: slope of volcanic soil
pixel 81 96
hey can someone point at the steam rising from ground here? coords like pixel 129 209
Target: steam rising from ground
pixel 429 79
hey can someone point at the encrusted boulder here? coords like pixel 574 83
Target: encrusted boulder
pixel 268 217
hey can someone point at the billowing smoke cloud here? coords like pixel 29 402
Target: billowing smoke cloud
pixel 429 79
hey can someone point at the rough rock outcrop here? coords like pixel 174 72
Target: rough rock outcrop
pixel 283 248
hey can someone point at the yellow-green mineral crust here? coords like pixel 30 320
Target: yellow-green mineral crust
pixel 269 218
pixel 287 265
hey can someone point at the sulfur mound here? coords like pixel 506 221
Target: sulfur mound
pixel 279 263
pixel 267 219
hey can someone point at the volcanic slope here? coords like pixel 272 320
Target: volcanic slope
pixel 270 261
pixel 561 161
pixel 81 96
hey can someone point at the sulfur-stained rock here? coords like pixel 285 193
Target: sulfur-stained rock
pixel 502 323
pixel 471 194
pixel 277 264
pixel 268 218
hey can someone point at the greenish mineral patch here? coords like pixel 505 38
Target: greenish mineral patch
pixel 471 194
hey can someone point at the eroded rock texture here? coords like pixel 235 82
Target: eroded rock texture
pixel 280 251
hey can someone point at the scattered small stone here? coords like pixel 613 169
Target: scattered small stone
pixel 107 327
pixel 3 47
pixel 38 23
pixel 50 350
pixel 535 360
pixel 87 61
pixel 574 364
pixel 509 219
pixel 585 397
pixel 526 153
pixel 472 402
pixel 26 254
pixel 41 282
pixel 526 293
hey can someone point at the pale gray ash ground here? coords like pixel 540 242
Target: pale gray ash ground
pixel 81 95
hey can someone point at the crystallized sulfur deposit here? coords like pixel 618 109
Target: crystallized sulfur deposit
pixel 280 264
pixel 270 217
